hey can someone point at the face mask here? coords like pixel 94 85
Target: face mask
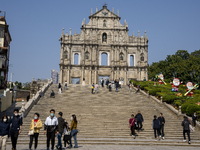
pixel 16 114
pixel 35 117
pixel 4 120
pixel 52 114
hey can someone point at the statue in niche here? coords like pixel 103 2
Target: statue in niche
pixel 87 55
pixel 65 55
pixel 104 37
pixel 104 23
pixel 121 57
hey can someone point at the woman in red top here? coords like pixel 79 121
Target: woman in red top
pixel 132 122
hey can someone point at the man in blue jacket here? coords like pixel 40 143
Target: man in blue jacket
pixel 15 128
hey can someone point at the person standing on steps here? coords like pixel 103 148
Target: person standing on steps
pixel 59 88
pixel 186 129
pixel 67 136
pixel 4 132
pixel 194 119
pixel 15 128
pixel 65 85
pixel 74 130
pixel 50 127
pixel 156 128
pixel 138 89
pixel 162 124
pixel 117 85
pixel 92 88
pixel 35 126
pixel 102 82
pixel 140 120
pixel 61 124
pixel 132 122
pixel 96 87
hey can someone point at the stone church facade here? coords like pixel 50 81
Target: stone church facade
pixel 103 49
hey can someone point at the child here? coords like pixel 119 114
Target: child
pixel 67 136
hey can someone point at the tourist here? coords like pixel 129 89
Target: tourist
pixel 194 119
pixel 61 123
pixel 96 87
pixel 50 127
pixel 16 127
pixel 35 126
pixel 132 122
pixel 117 85
pixel 110 86
pixel 162 124
pixel 4 132
pixel 74 130
pixel 107 82
pixel 156 128
pixel 52 95
pixel 102 82
pixel 138 89
pixel 140 120
pixel 67 136
pixel 92 88
pixel 59 88
pixel 65 85
pixel 186 129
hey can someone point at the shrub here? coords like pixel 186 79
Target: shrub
pixel 169 98
pixel 178 103
pixel 191 108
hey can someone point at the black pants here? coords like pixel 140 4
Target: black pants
pixel 14 137
pixel 162 130
pixel 67 140
pixel 34 136
pixel 51 137
pixel 156 132
pixel 133 130
pixel 139 125
pixel 194 123
pixel 188 134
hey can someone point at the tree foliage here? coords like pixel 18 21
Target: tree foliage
pixel 182 65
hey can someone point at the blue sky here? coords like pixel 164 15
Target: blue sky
pixel 36 26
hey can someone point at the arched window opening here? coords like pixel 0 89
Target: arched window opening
pixel 87 55
pixel 131 60
pixel 142 57
pixel 76 59
pixel 104 23
pixel 104 37
pixel 65 54
pixel 121 56
pixel 104 59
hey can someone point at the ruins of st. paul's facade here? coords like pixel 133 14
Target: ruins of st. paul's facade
pixel 103 49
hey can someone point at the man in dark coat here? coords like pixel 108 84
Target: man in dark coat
pixel 15 129
pixel 61 125
pixel 139 119
pixel 156 127
pixel 186 129
pixel 162 124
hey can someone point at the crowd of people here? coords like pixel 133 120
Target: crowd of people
pixel 158 124
pixel 54 127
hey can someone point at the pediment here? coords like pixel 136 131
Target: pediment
pixel 104 12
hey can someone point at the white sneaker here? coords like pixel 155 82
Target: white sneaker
pixel 184 140
pixel 163 137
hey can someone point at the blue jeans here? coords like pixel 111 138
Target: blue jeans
pixel 75 138
pixel 59 136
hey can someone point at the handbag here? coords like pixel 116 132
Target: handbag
pixel 67 132
pixel 191 128
pixel 30 132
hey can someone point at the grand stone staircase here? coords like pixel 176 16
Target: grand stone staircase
pixel 103 117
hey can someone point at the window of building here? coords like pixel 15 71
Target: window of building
pixel 104 59
pixel 131 60
pixel 76 59
pixel 104 37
